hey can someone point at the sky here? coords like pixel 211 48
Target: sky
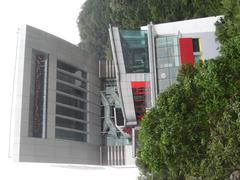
pixel 57 17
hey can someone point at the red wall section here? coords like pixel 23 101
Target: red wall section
pixel 186 50
pixel 140 89
pixel 140 84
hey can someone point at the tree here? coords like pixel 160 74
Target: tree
pixel 229 26
pixel 173 10
pixel 93 22
pixel 173 134
pixel 224 146
pixel 194 128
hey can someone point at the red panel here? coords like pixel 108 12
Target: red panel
pixel 186 50
pixel 140 84
pixel 140 89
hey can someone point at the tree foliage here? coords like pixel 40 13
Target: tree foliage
pixel 229 26
pixel 194 128
pixel 96 15
pixel 93 23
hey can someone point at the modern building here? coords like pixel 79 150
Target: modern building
pixel 72 108
pixel 147 60
pixel 57 101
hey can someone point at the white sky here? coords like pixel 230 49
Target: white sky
pixel 57 17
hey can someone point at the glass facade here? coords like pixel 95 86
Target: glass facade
pixel 71 99
pixel 38 95
pixel 168 60
pixel 135 51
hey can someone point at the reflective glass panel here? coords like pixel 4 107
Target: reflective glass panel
pixel 168 61
pixel 135 50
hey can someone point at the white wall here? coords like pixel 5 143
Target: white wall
pixel 198 25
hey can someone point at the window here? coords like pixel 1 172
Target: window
pixel 70 112
pixel 71 101
pixel 72 80
pixel 196 47
pixel 135 50
pixel 167 51
pixel 119 119
pixel 167 55
pixel 63 122
pixel 71 115
pixel 70 90
pixel 71 69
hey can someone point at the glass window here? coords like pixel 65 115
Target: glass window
pixel 196 47
pixel 119 117
pixel 70 90
pixel 71 101
pixel 135 50
pixel 177 60
pixel 70 112
pixel 161 42
pixel 172 61
pixel 162 62
pixel 173 72
pixel 69 135
pixel 63 122
pixel 164 84
pixel 168 60
pixel 169 40
pixel 70 79
pixel 197 57
pixel 71 69
pixel 162 52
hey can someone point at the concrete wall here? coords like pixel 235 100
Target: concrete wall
pixel 31 149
